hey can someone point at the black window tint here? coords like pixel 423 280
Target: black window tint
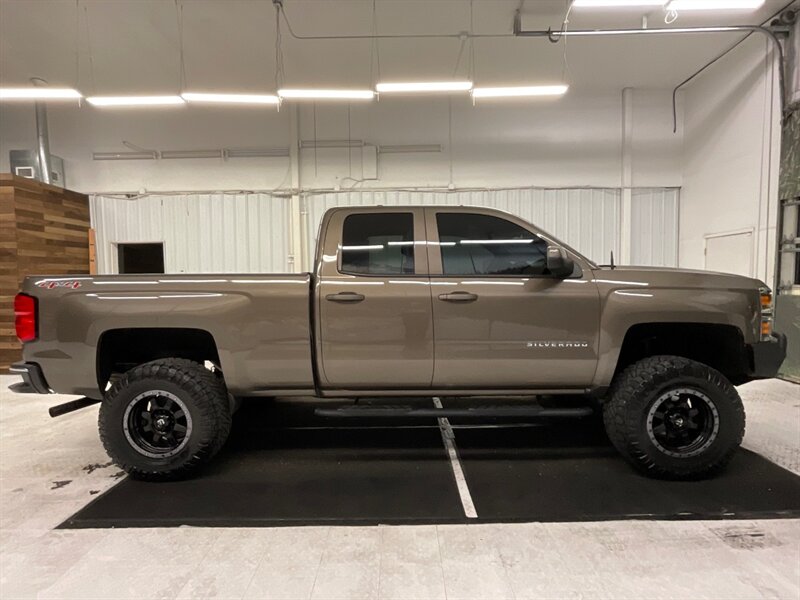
pixel 485 245
pixel 378 244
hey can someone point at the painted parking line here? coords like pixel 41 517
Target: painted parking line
pixel 448 437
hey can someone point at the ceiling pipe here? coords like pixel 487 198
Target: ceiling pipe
pixel 554 36
pixel 42 136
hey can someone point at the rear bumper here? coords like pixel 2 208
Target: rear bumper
pixel 768 356
pixel 32 375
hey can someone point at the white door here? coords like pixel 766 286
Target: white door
pixel 730 253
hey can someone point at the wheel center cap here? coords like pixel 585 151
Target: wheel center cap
pixel 677 420
pixel 162 423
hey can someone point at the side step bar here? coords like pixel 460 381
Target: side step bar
pixel 480 411
pixel 71 406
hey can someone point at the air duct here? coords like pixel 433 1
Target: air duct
pixel 42 136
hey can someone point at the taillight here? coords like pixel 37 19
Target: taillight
pixel 25 317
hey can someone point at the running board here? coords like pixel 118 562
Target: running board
pixel 482 411
pixel 71 406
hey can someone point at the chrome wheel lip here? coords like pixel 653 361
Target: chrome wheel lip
pixel 673 394
pixel 126 424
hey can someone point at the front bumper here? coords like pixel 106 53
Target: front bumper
pixel 768 356
pixel 32 375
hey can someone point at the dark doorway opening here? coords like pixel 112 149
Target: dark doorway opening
pixel 141 258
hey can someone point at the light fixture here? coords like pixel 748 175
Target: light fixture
pixel 39 93
pixel 616 3
pixel 230 98
pixel 423 87
pixel 191 154
pixel 519 91
pixel 408 148
pixel 134 100
pixel 714 4
pixel 311 94
pixel 331 143
pixel 255 152
pixel 124 155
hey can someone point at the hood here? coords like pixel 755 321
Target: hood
pixel 672 277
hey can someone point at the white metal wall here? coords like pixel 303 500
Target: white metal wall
pixel 586 219
pixel 202 233
pixel 249 233
pixel 654 226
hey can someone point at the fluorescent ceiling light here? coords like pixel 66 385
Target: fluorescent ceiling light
pixel 405 148
pixel 519 91
pixel 191 154
pixel 124 156
pixel 331 143
pixel 255 152
pixel 424 87
pixel 134 100
pixel 308 94
pixel 39 93
pixel 715 4
pixel 616 3
pixel 231 98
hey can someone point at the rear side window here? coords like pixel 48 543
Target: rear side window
pixel 378 244
pixel 473 244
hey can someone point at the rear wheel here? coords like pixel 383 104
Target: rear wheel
pixel 675 418
pixel 165 419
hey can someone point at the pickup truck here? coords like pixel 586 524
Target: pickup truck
pixel 414 303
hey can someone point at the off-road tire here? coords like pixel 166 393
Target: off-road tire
pixel 638 388
pixel 202 392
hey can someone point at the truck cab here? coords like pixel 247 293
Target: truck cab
pixel 426 298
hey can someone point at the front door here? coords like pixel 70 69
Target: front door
pixel 375 325
pixel 500 319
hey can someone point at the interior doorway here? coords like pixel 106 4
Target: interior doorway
pixel 140 258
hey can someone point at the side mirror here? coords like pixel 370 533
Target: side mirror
pixel 559 263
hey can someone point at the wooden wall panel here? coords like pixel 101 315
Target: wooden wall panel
pixel 44 230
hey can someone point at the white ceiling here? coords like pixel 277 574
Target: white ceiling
pixel 229 45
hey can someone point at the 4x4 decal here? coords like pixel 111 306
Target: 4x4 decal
pixel 49 284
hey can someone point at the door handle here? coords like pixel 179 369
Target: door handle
pixel 458 297
pixel 345 297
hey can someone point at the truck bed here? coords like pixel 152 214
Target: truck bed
pixel 260 324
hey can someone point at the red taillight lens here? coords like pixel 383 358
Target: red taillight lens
pixel 25 317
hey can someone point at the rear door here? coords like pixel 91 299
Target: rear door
pixel 375 321
pixel 501 320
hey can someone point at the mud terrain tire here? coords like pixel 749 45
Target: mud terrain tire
pixel 674 418
pixel 165 419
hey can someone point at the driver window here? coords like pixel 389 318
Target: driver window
pixel 473 244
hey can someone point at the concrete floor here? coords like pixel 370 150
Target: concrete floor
pixel 51 468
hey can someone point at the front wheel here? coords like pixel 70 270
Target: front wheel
pixel 676 418
pixel 165 419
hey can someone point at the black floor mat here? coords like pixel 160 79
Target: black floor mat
pixel 283 466
pixel 571 473
pixel 280 467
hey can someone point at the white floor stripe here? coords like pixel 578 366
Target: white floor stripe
pixel 455 463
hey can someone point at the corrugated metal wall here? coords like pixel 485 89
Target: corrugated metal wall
pixel 202 233
pixel 586 219
pixel 249 233
pixel 654 226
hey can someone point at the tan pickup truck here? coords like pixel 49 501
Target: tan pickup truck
pixel 411 302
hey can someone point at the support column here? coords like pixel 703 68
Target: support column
pixel 626 177
pixel 297 246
